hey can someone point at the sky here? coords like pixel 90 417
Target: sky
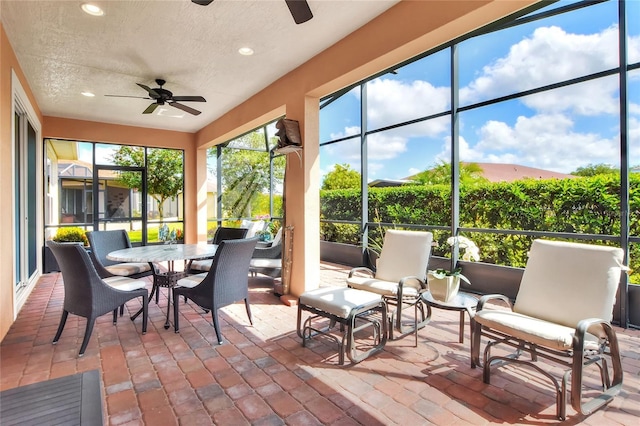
pixel 558 130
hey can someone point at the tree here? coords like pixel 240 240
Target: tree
pixel 342 177
pixel 596 169
pixel 245 175
pixel 470 174
pixel 165 178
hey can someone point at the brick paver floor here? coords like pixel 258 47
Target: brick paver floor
pixel 262 375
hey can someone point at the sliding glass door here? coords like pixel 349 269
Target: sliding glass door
pixel 25 200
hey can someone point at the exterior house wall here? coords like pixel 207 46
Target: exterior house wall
pixel 8 64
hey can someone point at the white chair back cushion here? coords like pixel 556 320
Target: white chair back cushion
pixel 277 237
pixel 252 227
pixel 566 282
pixel 404 253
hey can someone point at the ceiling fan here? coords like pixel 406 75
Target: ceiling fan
pixel 163 96
pixel 299 9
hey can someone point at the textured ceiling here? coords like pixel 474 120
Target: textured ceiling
pixel 64 52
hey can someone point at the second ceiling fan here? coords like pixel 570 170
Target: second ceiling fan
pixel 162 96
pixel 299 9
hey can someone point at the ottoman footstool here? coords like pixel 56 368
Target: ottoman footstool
pixel 351 308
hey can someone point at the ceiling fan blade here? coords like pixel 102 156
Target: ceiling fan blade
pixel 189 98
pixel 126 96
pixel 203 2
pixel 185 108
pixel 152 93
pixel 299 10
pixel 150 108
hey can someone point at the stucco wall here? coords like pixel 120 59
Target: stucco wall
pixel 8 62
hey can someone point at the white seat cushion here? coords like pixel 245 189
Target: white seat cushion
pixel 533 330
pixel 266 263
pixel 191 281
pixel 126 269
pixel 384 288
pixel 339 301
pixel 201 265
pixel 124 283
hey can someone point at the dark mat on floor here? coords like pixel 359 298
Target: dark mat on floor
pixel 70 400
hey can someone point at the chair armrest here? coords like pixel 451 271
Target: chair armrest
pixel 403 280
pixel 613 386
pixel 273 252
pixel 100 269
pixel 491 297
pixel 423 284
pixel 595 326
pixel 361 270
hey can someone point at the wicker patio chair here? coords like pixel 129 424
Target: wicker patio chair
pixel 271 249
pixel 226 282
pixel 400 277
pixel 222 234
pixel 104 242
pixel 87 295
pixel 561 314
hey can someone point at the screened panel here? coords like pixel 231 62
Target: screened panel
pixel 341 118
pixel 245 178
pixel 68 183
pixel 419 89
pixel 400 153
pixel 254 140
pixel 341 193
pixel 538 53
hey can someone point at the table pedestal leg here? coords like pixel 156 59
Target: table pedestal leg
pixel 167 324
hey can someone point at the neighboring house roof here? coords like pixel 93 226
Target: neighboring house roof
pixel 494 172
pixel 497 172
pixel 382 183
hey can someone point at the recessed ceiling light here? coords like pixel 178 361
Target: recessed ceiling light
pixel 245 51
pixel 92 9
pixel 88 94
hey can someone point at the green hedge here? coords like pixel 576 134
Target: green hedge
pixel 587 205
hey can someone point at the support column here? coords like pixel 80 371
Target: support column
pixel 197 224
pixel 302 192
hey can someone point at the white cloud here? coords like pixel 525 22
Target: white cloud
pixel 348 131
pixel 579 98
pixel 546 141
pixel 394 101
pixel 548 56
pixel 385 146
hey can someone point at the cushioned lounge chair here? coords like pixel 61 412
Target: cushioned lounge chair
pixel 562 313
pixel 400 278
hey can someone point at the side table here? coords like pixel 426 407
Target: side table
pixel 462 302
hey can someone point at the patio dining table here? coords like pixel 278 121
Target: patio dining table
pixel 164 253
